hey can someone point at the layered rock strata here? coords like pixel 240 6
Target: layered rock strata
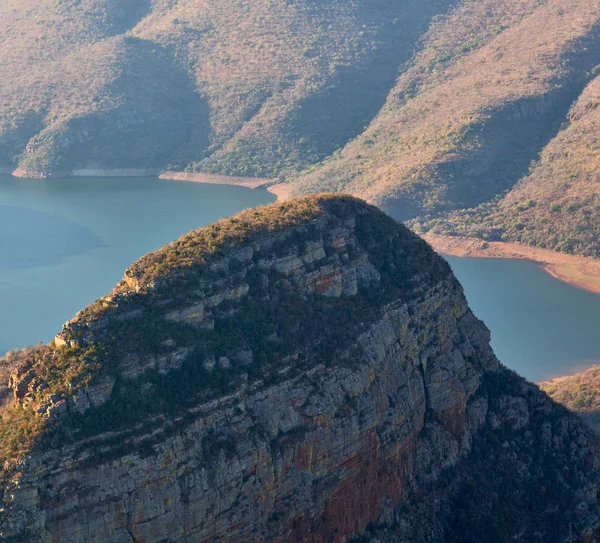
pixel 308 371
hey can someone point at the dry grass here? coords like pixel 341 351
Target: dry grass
pixel 557 206
pixel 579 392
pixel 234 87
pixel 444 129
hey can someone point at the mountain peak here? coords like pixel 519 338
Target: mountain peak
pixel 306 371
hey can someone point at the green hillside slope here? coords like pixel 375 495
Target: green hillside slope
pixel 556 206
pixel 490 87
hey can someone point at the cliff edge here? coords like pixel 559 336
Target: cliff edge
pixel 306 371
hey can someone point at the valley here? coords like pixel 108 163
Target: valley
pixel 315 271
pixel 475 118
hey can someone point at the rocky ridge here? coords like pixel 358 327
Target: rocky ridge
pixel 308 371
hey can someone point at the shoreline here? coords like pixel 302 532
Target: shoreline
pixel 278 188
pixel 217 179
pixel 86 172
pixel 579 271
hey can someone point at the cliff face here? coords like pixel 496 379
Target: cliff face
pixel 303 372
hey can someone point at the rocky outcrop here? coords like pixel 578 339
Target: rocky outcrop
pixel 321 380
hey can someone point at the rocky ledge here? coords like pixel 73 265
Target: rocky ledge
pixel 308 371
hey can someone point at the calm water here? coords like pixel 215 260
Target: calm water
pixel 540 326
pixel 66 242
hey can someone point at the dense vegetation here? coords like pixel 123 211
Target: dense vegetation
pixel 472 117
pixel 496 501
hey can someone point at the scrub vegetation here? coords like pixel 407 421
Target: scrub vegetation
pixel 471 117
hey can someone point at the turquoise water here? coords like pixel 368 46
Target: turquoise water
pixel 541 327
pixel 66 242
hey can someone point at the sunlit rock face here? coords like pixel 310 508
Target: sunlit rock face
pixel 312 381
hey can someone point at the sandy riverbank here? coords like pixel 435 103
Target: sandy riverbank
pixel 281 190
pixel 579 271
pixel 214 179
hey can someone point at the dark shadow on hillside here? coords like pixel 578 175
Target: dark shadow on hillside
pixel 355 94
pixel 510 139
pixel 14 140
pixel 123 15
pixel 592 419
pixel 401 209
pixel 160 119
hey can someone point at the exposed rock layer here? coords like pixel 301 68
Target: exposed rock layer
pixel 310 384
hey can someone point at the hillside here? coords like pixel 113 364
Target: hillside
pixel 579 393
pixel 557 205
pixel 306 371
pixel 494 85
pixel 237 87
pixel 467 117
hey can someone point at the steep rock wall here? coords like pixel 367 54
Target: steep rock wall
pixel 364 386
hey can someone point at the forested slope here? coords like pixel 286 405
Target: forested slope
pixel 557 205
pixel 497 86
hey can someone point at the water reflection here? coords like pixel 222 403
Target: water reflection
pixel 30 238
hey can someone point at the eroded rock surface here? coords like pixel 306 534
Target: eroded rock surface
pixel 317 382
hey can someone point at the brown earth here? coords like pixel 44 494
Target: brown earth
pixel 581 271
pixel 281 190
pixel 213 179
